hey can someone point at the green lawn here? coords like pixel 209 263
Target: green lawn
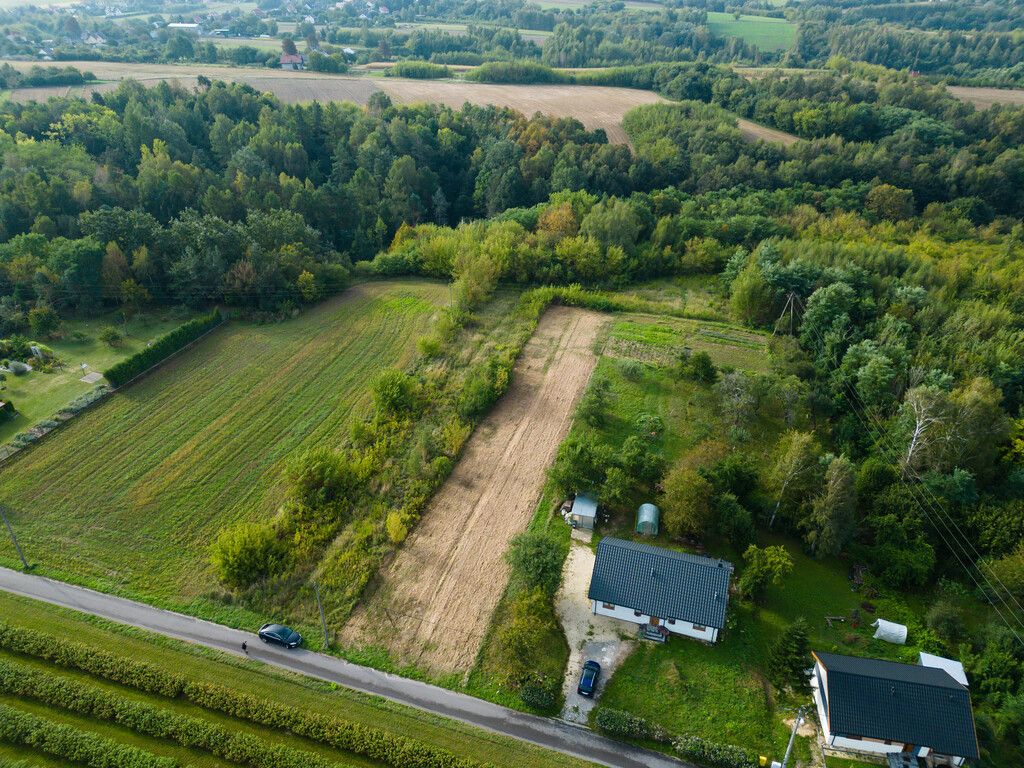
pixel 252 678
pixel 128 496
pixel 38 396
pixel 262 43
pixel 768 34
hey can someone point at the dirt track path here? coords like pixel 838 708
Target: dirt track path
pixel 433 602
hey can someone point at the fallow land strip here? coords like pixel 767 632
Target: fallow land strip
pixel 433 603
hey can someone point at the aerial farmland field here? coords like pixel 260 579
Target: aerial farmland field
pixel 768 34
pixel 129 495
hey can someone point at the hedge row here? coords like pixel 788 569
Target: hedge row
pixel 626 725
pixel 162 348
pixel 714 755
pixel 151 720
pixel 375 743
pixel 67 743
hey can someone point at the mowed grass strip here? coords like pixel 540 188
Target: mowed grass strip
pixel 130 494
pixel 251 677
pixel 766 33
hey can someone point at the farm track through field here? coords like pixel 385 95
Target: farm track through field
pixel 133 491
pixel 433 602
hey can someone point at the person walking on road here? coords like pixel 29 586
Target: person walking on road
pixel 245 647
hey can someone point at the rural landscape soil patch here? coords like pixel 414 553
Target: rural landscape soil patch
pixel 433 602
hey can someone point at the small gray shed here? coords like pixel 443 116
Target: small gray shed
pixel 647 518
pixel 584 512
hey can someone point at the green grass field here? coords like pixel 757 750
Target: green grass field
pixel 766 33
pixel 128 496
pixel 243 676
pixel 261 43
pixel 39 396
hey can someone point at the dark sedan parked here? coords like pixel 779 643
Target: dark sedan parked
pixel 588 680
pixel 275 633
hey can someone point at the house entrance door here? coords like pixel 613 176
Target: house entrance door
pixel 655 621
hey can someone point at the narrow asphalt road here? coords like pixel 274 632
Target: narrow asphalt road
pixel 552 734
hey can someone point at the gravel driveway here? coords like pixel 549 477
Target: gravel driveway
pixel 603 639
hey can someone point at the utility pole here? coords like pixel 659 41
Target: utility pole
pixel 10 532
pixel 792 736
pixel 790 308
pixel 323 621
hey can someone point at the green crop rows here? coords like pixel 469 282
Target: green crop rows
pixel 129 495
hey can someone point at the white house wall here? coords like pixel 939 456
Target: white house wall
pixel 685 628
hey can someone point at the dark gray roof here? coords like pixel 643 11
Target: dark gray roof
pixel 660 582
pixel 905 703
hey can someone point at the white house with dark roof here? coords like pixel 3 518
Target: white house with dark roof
pixel 660 590
pixel 880 707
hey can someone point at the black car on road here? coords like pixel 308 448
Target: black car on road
pixel 588 680
pixel 280 635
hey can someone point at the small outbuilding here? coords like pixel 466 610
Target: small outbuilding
pixel 647 518
pixel 584 512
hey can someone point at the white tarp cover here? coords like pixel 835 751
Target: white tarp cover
pixel 952 667
pixel 890 631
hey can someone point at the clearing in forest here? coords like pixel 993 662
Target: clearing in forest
pixel 983 98
pixel 129 495
pixel 432 603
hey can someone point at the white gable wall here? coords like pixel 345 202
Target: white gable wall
pixel 677 627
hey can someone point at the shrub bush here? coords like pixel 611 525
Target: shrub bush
pixel 714 755
pixel 420 70
pixel 126 370
pixel 246 553
pixel 616 722
pixel 516 72
pixel 536 559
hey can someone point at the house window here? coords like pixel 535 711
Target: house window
pixel 699 627
pixel 609 606
pixel 637 613
pixel 671 621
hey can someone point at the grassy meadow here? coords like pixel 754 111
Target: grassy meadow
pixel 238 675
pixel 128 496
pixel 38 396
pixel 768 34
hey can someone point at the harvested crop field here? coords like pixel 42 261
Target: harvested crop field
pixel 983 98
pixel 756 132
pixel 432 603
pixel 594 106
pixel 129 495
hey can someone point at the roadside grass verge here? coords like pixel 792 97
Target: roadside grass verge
pixel 250 677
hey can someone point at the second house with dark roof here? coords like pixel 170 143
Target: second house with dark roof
pixel 882 707
pixel 662 591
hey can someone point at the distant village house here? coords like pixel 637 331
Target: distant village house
pixel 294 61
